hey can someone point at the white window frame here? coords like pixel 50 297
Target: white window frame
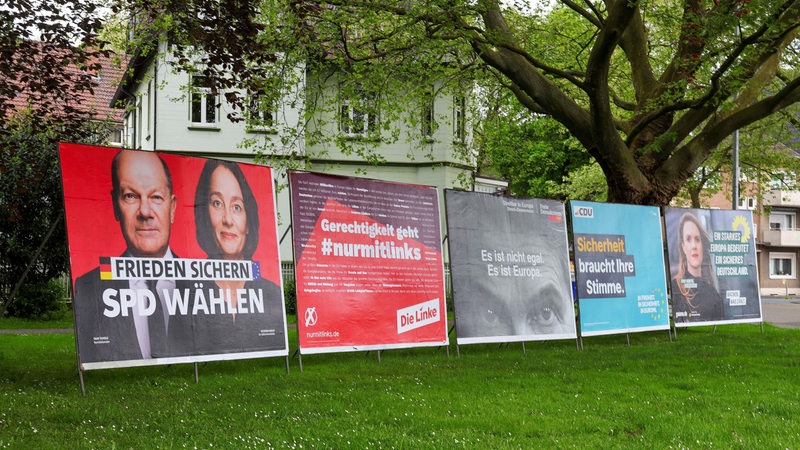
pixel 747 203
pixel 792 257
pixel 116 136
pixel 261 112
pixel 205 95
pixel 428 116
pixel 149 107
pixel 783 180
pixel 350 115
pixel 460 119
pixel 137 141
pixel 781 223
pixel 128 127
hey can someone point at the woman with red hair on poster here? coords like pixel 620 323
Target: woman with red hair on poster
pixel 694 290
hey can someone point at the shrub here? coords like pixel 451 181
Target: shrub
pixel 39 300
pixel 290 296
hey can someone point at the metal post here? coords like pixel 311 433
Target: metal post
pixel 735 198
pixel 83 386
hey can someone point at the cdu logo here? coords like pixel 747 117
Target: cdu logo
pixel 584 211
pixel 311 317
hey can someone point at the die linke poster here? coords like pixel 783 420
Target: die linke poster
pixel 368 264
pixel 173 258
pixel 509 262
pixel 619 268
pixel 712 261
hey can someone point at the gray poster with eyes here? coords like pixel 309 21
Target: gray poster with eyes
pixel 509 265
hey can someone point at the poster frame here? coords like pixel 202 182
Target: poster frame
pixel 522 337
pixel 721 321
pixel 621 330
pixel 69 205
pixel 310 350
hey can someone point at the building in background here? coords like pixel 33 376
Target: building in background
pixel 177 112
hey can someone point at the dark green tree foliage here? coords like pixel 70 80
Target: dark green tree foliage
pixel 31 200
pixel 533 155
pixel 47 52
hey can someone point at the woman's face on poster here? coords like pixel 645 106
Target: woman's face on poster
pixel 227 212
pixel 692 246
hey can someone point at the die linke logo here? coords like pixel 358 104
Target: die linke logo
pixel 311 317
pixel 418 315
pixel 584 211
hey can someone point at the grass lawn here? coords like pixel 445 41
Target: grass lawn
pixel 736 388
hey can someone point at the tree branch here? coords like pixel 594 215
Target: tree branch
pixel 620 13
pixel 708 103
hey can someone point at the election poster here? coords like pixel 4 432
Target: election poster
pixel 173 258
pixel 619 268
pixel 368 264
pixel 712 262
pixel 509 263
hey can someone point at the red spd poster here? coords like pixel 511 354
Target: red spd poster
pixel 368 264
pixel 174 258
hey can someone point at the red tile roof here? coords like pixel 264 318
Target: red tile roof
pixel 97 103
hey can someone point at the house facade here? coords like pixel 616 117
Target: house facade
pixel 778 242
pixel 173 111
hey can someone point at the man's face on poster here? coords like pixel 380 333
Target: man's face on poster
pixel 144 204
pixel 532 296
pixel 518 306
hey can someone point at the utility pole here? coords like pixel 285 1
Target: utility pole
pixel 735 170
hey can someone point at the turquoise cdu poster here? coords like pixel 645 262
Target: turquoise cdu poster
pixel 619 268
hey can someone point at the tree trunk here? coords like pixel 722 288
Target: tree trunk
pixel 655 193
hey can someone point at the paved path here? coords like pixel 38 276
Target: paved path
pixel 778 311
pixel 781 312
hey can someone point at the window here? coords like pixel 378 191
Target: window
pixel 359 117
pixel 139 123
pixel 747 203
pixel 428 120
pixel 782 265
pixel 129 127
pixel 459 118
pixel 203 102
pixel 261 112
pixel 781 220
pixel 115 137
pixel 149 109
